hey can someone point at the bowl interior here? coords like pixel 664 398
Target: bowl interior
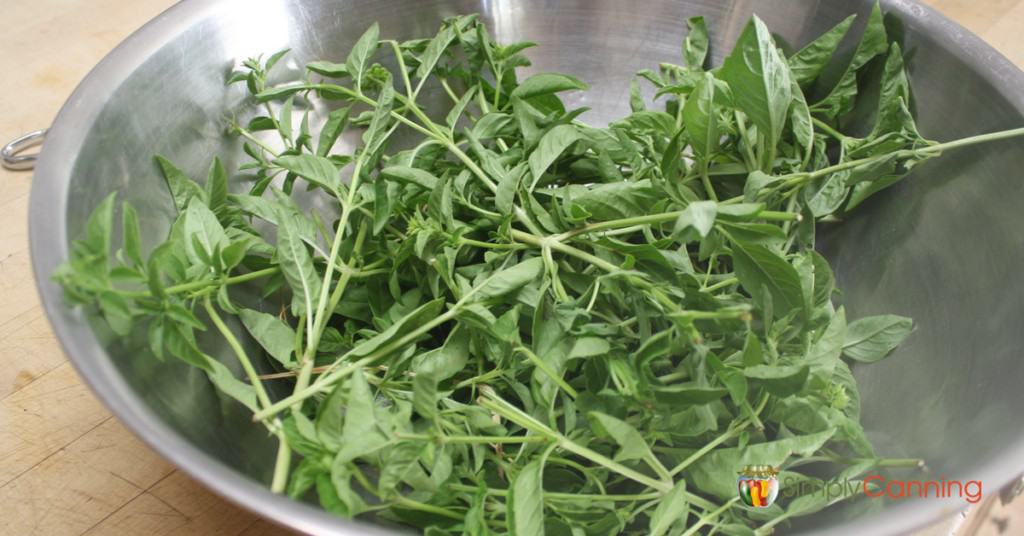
pixel 943 247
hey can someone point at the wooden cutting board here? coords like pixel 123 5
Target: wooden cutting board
pixel 66 466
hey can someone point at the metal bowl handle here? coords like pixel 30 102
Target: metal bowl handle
pixel 13 160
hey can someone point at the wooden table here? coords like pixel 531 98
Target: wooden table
pixel 66 466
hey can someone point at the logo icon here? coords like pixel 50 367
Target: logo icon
pixel 758 486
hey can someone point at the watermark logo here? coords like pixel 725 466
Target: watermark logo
pixel 758 485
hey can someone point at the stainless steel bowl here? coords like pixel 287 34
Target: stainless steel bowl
pixel 945 246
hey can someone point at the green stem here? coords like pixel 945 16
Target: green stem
pixel 554 244
pixel 483 378
pixel 729 434
pixel 663 217
pixel 432 130
pixel 493 402
pixel 707 518
pixel 827 129
pixel 540 364
pixel 240 354
pixel 247 135
pixel 200 285
pixel 334 375
pixel 706 181
pixel 748 151
pixel 416 505
pixel 488 245
pixel 282 464
pixel 557 496
pixel 405 73
pixel 972 140
pixel 722 284
pixel 484 440
pixel 801 178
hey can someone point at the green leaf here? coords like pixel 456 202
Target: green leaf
pixel 759 79
pixel 216 185
pixel 358 60
pixel 284 122
pixel 632 445
pixel 359 433
pixel 406 324
pixel 399 462
pixel 424 395
pixel 893 95
pixel 444 362
pixel 526 501
pixel 779 380
pixel 116 311
pixel 807 64
pixel 435 48
pixel 453 116
pixel 551 146
pixel 130 234
pixel 546 84
pixel 341 477
pixel 715 473
pixel 276 337
pixel 183 188
pixel 871 177
pixel 826 195
pixel 274 58
pixel 615 200
pixel 699 117
pixel 695 46
pixel 801 123
pixel 872 338
pixel 589 347
pixel 419 177
pixel 510 279
pixel 377 132
pixel 699 215
pixel 227 383
pixel 297 267
pixel 839 101
pixel 382 205
pixel 759 267
pixel 303 478
pixel 180 342
pixel 205 231
pixel 328 69
pixel 316 169
pixel 337 120
pixel 673 509
pixel 823 355
pixel 636 100
pixel 687 395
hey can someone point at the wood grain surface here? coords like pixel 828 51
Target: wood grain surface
pixel 66 466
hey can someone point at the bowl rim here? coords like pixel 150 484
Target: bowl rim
pixel 48 247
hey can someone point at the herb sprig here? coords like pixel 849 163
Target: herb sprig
pixel 519 322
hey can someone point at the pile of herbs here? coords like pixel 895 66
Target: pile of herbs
pixel 521 323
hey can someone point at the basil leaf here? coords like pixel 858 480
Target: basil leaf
pixel 759 79
pixel 546 84
pixel 358 60
pixel 316 169
pixel 550 147
pixel 700 117
pixel 807 64
pixel 872 338
pixel 297 266
pixel 839 101
pixel 526 501
pixel 276 337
